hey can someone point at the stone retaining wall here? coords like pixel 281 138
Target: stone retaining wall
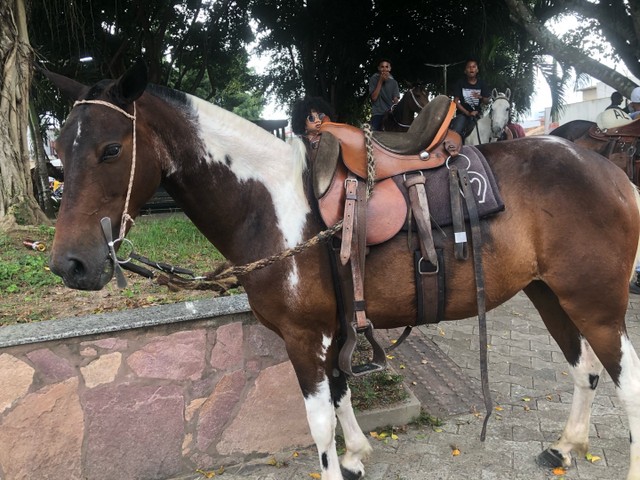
pixel 145 394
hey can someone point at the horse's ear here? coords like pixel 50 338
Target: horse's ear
pixel 507 94
pixel 132 84
pixel 71 89
pixel 494 93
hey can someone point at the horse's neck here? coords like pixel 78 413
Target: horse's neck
pixel 481 130
pixel 241 185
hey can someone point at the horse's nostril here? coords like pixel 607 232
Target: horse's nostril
pixel 67 267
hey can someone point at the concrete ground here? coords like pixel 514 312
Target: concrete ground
pixel 533 391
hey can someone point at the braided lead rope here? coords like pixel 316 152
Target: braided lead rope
pixel 371 163
pixel 125 214
pixel 265 262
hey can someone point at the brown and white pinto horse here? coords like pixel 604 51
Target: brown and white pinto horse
pixel 568 238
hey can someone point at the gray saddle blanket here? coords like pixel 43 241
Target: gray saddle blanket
pixel 483 184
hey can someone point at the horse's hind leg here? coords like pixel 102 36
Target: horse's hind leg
pixel 357 445
pixel 585 369
pixel 599 333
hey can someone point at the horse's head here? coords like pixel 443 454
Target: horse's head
pixel 404 112
pixel 419 97
pixel 97 148
pixel 500 111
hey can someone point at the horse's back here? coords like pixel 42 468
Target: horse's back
pixel 567 196
pixel 548 166
pixel 572 130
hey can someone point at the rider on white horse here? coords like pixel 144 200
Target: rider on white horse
pixel 470 92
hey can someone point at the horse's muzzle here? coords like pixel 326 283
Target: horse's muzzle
pixel 80 274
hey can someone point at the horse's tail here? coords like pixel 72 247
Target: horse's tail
pixel 637 197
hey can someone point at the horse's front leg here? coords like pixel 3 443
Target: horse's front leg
pixel 356 443
pixel 309 355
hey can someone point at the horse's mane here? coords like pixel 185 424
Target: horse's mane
pixel 175 98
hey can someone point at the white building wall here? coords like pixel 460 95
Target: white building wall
pixel 588 110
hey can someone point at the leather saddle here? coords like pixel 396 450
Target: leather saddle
pixel 342 152
pixel 620 146
pixel 364 195
pixel 631 130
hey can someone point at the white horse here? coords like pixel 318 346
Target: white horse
pixel 490 126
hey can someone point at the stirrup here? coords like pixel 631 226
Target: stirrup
pixel 377 363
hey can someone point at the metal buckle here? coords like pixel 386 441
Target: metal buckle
pixel 430 272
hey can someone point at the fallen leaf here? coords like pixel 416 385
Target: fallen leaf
pixel 394 436
pixel 499 408
pixel 592 458
pixel 402 367
pixel 206 474
pixel 373 434
pixel 424 362
pixel 272 461
pixel 295 455
pixel 390 357
pixel 455 452
pixel 315 475
pixel 526 399
pixel 559 471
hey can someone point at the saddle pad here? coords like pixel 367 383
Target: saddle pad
pixel 482 181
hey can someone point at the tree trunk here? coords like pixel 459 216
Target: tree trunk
pixel 40 174
pixel 17 203
pixel 521 14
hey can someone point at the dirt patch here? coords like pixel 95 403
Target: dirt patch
pixel 61 302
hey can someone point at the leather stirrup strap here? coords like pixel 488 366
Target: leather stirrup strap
pixel 350 185
pixel 358 246
pixel 420 208
pixel 476 238
pixel 457 214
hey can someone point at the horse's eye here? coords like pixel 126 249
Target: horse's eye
pixel 111 151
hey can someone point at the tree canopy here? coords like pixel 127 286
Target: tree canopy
pixel 197 46
pixel 609 31
pixel 327 48
pixel 330 48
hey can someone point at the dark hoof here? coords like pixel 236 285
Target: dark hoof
pixel 550 458
pixel 349 475
pixel 634 288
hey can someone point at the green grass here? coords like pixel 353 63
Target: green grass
pixel 175 240
pixel 22 268
pixel 377 390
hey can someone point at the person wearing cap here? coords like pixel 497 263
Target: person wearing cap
pixel 634 105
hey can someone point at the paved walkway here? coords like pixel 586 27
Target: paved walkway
pixel 530 384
